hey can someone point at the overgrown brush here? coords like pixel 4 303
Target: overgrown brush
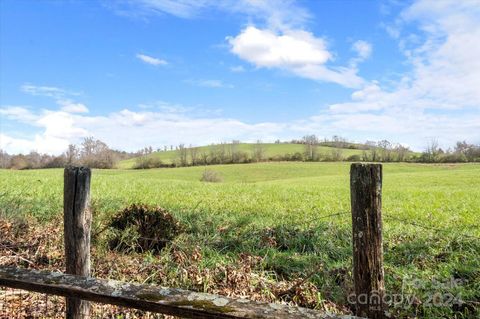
pixel 142 228
pixel 211 176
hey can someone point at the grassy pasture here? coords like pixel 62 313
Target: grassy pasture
pixel 271 149
pixel 431 222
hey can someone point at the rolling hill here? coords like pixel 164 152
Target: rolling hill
pixel 270 149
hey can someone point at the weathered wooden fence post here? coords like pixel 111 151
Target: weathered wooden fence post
pixel 366 201
pixel 77 220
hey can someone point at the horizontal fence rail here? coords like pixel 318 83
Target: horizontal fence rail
pixel 170 301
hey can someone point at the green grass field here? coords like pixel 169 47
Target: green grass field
pixel 271 149
pixel 431 222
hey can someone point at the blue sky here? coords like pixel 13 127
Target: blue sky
pixel 159 72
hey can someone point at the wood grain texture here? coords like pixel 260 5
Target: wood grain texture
pixel 368 275
pixel 177 302
pixel 77 221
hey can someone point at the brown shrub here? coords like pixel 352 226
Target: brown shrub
pixel 211 176
pixel 142 228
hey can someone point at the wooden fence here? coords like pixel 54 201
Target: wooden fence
pixel 79 288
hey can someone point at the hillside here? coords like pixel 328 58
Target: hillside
pixel 271 150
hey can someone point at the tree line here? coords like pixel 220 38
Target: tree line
pixel 371 151
pixel 97 154
pixel 91 153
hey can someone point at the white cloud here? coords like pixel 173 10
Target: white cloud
pixel 72 107
pixel 437 98
pixel 296 51
pixel 151 60
pixel 276 37
pixel 265 48
pixel 216 84
pixel 179 8
pixel 363 49
pixel 55 130
pixel 277 14
pixel 50 91
pixel 18 113
pixel 61 96
pixel 130 130
pixel 237 69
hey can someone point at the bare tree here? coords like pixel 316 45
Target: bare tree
pixel 182 155
pixel 71 154
pixel 258 151
pixel 194 155
pixel 336 154
pixel 222 152
pixel 385 150
pixel 4 159
pixel 432 151
pixel 234 155
pixel 372 145
pixel 311 147
pixel 338 141
pixel 204 157
pixel 402 152
pixel 97 154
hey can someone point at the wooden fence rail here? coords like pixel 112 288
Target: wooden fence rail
pixel 79 288
pixel 177 302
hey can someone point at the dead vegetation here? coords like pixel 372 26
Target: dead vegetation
pixel 176 264
pixel 211 176
pixel 142 228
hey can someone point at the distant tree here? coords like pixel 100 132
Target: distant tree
pixel 204 159
pixel 145 161
pixel 338 141
pixel 336 154
pixel 385 148
pixel 471 151
pixel 182 154
pixel 34 160
pixel 432 151
pixel 310 147
pixel 4 159
pixel 221 151
pixel 193 155
pixel 372 145
pixel 402 152
pixel 71 154
pixel 55 162
pixel 95 153
pixel 258 151
pixel 19 162
pixel 233 152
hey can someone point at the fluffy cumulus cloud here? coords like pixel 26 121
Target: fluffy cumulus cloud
pixel 296 51
pixel 72 107
pixel 128 129
pixel 276 37
pixel 265 48
pixel 54 130
pixel 151 60
pixel 437 98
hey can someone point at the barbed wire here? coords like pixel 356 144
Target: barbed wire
pixel 440 230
